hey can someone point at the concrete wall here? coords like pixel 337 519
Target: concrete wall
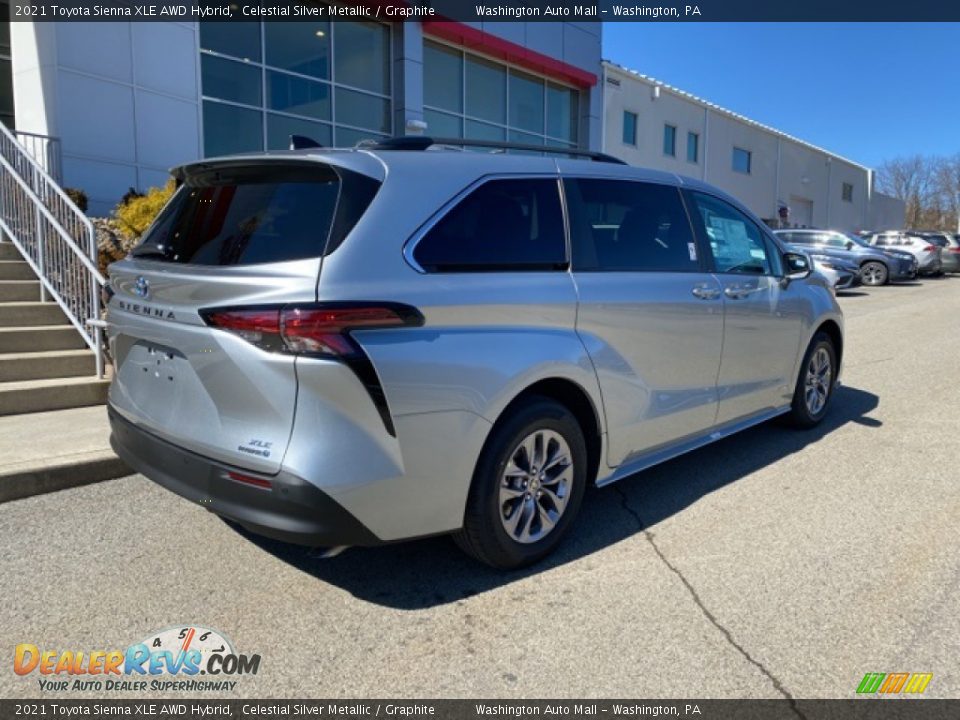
pixel 886 213
pixel 122 97
pixel 784 171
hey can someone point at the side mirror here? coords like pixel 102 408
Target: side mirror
pixel 796 266
pixel 850 244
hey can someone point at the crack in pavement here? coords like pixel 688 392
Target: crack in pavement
pixel 777 684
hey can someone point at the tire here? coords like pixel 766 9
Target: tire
pixel 814 390
pixel 874 273
pixel 506 523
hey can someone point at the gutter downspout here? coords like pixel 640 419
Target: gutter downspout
pixel 776 199
pixel 706 141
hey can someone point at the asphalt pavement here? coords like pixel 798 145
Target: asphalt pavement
pixel 772 564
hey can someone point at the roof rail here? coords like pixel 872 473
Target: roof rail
pixel 420 142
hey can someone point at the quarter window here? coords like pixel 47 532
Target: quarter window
pixel 742 160
pixel 619 225
pixel 736 242
pixel 502 225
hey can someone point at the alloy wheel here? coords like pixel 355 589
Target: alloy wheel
pixel 535 486
pixel 817 384
pixel 873 273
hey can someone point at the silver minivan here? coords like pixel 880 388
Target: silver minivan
pixel 353 347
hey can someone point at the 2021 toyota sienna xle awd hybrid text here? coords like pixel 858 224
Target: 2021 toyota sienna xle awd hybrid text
pixel 352 347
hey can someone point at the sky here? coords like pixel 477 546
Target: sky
pixel 866 91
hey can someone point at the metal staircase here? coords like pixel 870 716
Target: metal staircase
pixel 48 255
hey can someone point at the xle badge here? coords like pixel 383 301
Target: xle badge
pixel 260 448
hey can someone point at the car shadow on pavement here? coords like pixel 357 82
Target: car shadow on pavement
pixel 430 572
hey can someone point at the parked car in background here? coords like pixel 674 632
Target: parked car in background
pixel 353 347
pixel 928 255
pixel 878 266
pixel 949 245
pixel 840 274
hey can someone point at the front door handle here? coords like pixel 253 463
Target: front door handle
pixel 738 291
pixel 706 292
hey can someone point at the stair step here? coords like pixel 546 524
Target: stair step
pixel 15 270
pixel 36 339
pixel 8 251
pixel 19 290
pixel 26 314
pixel 43 452
pixel 32 396
pixel 48 364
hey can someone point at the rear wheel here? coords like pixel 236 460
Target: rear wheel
pixel 527 488
pixel 814 390
pixel 874 273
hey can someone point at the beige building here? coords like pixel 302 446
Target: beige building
pixel 784 180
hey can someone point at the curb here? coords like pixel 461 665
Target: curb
pixel 38 481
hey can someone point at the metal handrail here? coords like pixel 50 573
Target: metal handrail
pixel 45 149
pixel 54 236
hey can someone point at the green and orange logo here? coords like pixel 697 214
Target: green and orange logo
pixel 894 683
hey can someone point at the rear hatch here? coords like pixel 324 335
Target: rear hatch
pixel 236 234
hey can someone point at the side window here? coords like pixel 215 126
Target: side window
pixel 619 225
pixel 736 242
pixel 837 241
pixel 502 225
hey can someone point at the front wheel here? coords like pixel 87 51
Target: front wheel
pixel 527 486
pixel 874 273
pixel 814 390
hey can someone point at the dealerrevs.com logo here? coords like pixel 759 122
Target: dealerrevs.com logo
pixel 187 658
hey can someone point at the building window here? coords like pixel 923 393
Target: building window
pixel 742 160
pixel 846 192
pixel 465 95
pixel 629 128
pixel 262 82
pixel 693 147
pixel 670 140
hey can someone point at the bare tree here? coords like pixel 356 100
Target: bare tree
pixel 928 185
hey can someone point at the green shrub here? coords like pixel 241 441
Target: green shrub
pixel 135 215
pixel 78 196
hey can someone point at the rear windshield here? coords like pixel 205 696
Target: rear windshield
pixel 245 216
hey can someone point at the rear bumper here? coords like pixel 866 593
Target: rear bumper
pixel 291 510
pixel 931 267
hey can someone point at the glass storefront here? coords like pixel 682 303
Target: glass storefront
pixel 263 82
pixel 465 95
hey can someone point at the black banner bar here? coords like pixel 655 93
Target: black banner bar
pixel 179 709
pixel 491 11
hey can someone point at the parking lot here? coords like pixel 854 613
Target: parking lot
pixel 774 563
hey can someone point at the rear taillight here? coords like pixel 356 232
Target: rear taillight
pixel 319 330
pixel 322 329
pixel 930 248
pixel 954 250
